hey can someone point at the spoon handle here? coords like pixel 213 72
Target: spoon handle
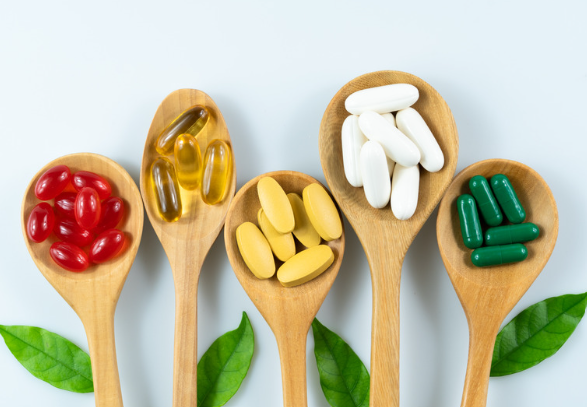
pixel 292 352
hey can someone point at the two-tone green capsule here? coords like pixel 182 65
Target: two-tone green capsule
pixel 469 220
pixel 507 198
pixel 488 205
pixel 497 255
pixel 524 232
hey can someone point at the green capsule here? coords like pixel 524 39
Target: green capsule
pixel 488 206
pixel 524 232
pixel 496 255
pixel 470 224
pixel 507 198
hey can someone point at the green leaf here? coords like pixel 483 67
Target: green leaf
pixel 50 357
pixel 343 377
pixel 225 364
pixel 537 333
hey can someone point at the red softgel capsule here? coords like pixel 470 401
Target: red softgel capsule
pixel 82 179
pixel 65 204
pixel 87 208
pixel 52 182
pixel 107 246
pixel 69 231
pixel 69 256
pixel 112 214
pixel 40 223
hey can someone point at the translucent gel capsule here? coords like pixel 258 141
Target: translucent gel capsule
pixel 188 161
pixel 190 121
pixel 40 222
pixel 166 189
pixel 52 182
pixel 65 204
pixel 69 231
pixel 488 206
pixel 217 172
pixel 112 214
pixel 88 208
pixel 469 220
pixel 82 179
pixel 507 198
pixel 69 256
pixel 107 245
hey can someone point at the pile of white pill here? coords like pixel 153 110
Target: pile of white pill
pixel 381 151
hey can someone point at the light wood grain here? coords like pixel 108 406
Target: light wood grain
pixel 93 293
pixel 384 238
pixel 288 311
pixel 187 241
pixel 488 294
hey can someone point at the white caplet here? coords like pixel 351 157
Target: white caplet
pixel 396 145
pixel 382 99
pixel 376 183
pixel 413 125
pixel 352 141
pixel 389 117
pixel 405 184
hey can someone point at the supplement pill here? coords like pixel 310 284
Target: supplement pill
pixel 282 244
pixel 390 118
pixel 107 245
pixel 166 189
pixel 191 121
pixel 382 99
pixel 69 231
pixel 352 141
pixel 276 205
pixel 82 179
pixel 405 185
pixel 188 161
pixel 88 208
pixel 507 198
pixel 112 214
pixel 523 232
pixel 496 255
pixel 322 212
pixel 255 250
pixel 52 182
pixel 69 256
pixel 303 231
pixel 488 206
pixel 40 222
pixel 305 266
pixel 469 219
pixel 65 204
pixel 217 171
pixel 375 174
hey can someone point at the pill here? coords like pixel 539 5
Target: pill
pixel 191 121
pixel 255 250
pixel 523 232
pixel 303 231
pixel 69 256
pixel 405 184
pixel 486 201
pixel 322 212
pixel 390 118
pixel 352 141
pixel 108 245
pixel 411 123
pixel 382 99
pixel 52 182
pixel 82 179
pixel 375 173
pixel 166 189
pixel 305 266
pixel 65 203
pixel 496 255
pixel 112 214
pixel 396 145
pixel 217 172
pixel 69 231
pixel 87 208
pixel 507 198
pixel 282 244
pixel 276 205
pixel 469 220
pixel 41 222
pixel 188 161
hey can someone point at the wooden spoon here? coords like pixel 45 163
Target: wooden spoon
pixel 288 311
pixel 489 294
pixel 187 241
pixel 93 293
pixel 384 238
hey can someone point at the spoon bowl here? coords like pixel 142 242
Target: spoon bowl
pixel 289 311
pixel 386 239
pixel 488 294
pixel 93 293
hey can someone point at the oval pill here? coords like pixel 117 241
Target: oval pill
pixel 390 118
pixel 352 141
pixel 488 206
pixel 305 266
pixel 276 205
pixel 188 161
pixel 496 255
pixel 166 189
pixel 507 198
pixel 322 212
pixel 255 250
pixel 303 231
pixel 405 185
pixel 282 244
pixel 396 145
pixel 217 171
pixel 469 220
pixel 382 99
pixel 375 173
pixel 191 121
pixel 411 123
pixel 523 232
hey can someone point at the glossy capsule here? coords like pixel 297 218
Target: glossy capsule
pixel 524 232
pixel 69 231
pixel 65 204
pixel 107 245
pixel 188 161
pixel 496 255
pixel 166 189
pixel 112 214
pixel 190 121
pixel 40 222
pixel 82 179
pixel 52 182
pixel 507 198
pixel 69 256
pixel 469 219
pixel 88 208
pixel 217 172
pixel 488 206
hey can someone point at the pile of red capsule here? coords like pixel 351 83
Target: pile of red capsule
pixel 84 216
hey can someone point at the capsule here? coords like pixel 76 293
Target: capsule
pixel 188 161
pixel 488 206
pixel 382 99
pixel 166 189
pixel 190 121
pixel 217 172
pixel 496 255
pixel 521 233
pixel 507 198
pixel 469 219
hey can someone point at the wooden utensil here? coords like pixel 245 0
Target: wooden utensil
pixel 384 238
pixel 93 293
pixel 488 294
pixel 187 241
pixel 288 311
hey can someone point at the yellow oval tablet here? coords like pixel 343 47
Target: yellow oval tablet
pixel 255 250
pixel 275 205
pixel 322 212
pixel 282 244
pixel 305 266
pixel 303 231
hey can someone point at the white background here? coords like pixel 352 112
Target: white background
pixel 88 76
